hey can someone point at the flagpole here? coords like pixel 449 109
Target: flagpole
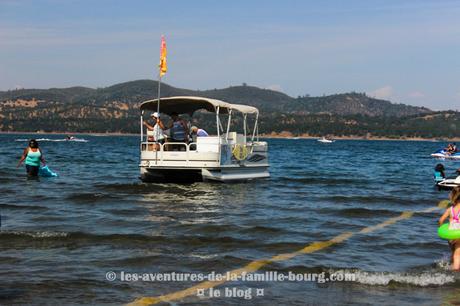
pixel 161 70
pixel 160 67
pixel 159 90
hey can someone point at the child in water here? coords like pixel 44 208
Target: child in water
pixel 453 213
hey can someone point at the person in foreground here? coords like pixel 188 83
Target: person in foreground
pixel 32 156
pixel 453 213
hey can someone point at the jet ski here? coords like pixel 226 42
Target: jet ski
pixel 449 183
pixel 442 153
pixel 443 182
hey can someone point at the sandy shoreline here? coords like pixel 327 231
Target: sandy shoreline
pixel 283 135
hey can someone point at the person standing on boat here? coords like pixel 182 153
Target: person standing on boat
pixel 155 132
pixel 178 129
pixel 32 156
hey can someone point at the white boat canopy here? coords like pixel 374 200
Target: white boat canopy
pixel 245 109
pixel 190 104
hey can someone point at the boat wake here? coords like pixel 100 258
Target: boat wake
pixel 8 235
pixel 54 140
pixel 436 275
pixel 419 279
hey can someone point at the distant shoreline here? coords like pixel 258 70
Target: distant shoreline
pixel 403 138
pixel 68 133
pixel 272 136
pixel 283 135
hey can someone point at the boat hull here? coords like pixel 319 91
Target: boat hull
pixel 187 175
pixel 442 154
pixel 165 175
pixel 448 184
pixel 445 156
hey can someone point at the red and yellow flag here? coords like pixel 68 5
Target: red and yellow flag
pixel 163 66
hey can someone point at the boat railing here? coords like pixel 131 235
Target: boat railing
pixel 167 146
pixel 172 153
pixel 205 151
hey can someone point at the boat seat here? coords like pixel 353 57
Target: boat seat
pixel 207 144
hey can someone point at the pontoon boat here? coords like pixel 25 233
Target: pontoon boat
pixel 227 156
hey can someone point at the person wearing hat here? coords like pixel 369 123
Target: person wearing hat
pixel 32 156
pixel 155 133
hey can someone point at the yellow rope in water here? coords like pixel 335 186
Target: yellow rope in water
pixel 257 264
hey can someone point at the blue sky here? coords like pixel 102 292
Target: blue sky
pixel 404 51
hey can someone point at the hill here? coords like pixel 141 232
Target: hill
pixel 115 109
pixel 354 104
pixel 267 100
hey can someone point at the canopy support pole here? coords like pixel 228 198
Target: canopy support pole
pixel 218 122
pixel 142 126
pixel 256 128
pixel 245 118
pixel 228 124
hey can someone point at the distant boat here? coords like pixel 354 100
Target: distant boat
pixel 70 139
pixel 325 140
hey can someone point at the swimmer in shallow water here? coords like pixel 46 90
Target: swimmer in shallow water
pixel 453 213
pixel 32 156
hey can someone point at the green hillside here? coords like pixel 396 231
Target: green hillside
pixel 115 109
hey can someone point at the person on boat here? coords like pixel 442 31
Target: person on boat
pixel 439 174
pixel 155 132
pixel 453 213
pixel 198 132
pixel 450 149
pixel 32 156
pixel 178 129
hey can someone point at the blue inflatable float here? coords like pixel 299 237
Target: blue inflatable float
pixel 46 172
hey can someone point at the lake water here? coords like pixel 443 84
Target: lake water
pixel 60 236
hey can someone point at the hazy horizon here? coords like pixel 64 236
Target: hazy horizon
pixel 402 52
